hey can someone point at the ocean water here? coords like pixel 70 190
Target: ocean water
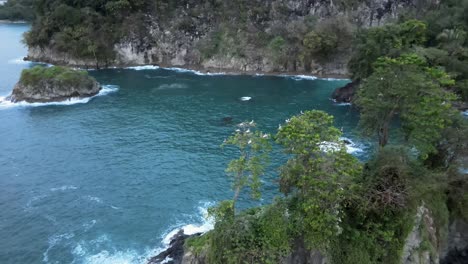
pixel 106 179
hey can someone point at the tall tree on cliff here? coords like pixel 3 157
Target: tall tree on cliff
pixel 253 147
pixel 406 88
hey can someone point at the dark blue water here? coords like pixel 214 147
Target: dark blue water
pixel 105 181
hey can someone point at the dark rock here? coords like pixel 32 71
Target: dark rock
pixel 456 257
pixel 175 251
pixel 462 106
pixel 346 93
pixel 227 120
pixel 300 254
pixel 347 141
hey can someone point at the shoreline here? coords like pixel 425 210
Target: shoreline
pixel 3 21
pixel 205 71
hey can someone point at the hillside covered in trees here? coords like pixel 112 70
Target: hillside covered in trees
pixel 15 10
pixel 275 35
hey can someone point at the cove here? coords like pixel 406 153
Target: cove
pixel 105 180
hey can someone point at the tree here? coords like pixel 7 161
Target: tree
pixel 390 40
pixel 407 88
pixel 246 170
pixel 317 176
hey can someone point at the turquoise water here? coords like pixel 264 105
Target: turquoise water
pixel 105 181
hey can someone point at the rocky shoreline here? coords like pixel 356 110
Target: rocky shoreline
pixel 174 254
pixel 196 68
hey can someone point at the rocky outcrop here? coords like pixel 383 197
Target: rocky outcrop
pixel 346 93
pixel 421 244
pixel 175 253
pixel 300 254
pixel 179 40
pixel 54 90
pixel 457 243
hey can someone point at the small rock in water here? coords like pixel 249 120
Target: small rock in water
pixel 53 84
pixel 347 141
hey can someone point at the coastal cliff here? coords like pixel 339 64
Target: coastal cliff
pixel 303 36
pixel 423 245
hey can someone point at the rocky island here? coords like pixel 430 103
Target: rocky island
pixel 53 84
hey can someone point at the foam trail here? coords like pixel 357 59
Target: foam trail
pixel 53 240
pixel 93 199
pixel 144 67
pixel 194 71
pixel 343 104
pixel 172 86
pixel 304 77
pixel 64 188
pixel 19 61
pixel 106 89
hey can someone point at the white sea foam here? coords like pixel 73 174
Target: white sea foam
pixel 119 257
pixel 53 241
pixel 102 251
pixel 64 188
pixel 206 225
pixel 93 198
pixel 246 98
pixel 334 79
pixel 143 67
pixel 19 61
pixel 106 89
pixel 304 77
pixel 465 113
pixel 172 86
pixel 195 72
pixel 88 225
pixel 91 252
pixel 343 104
pixel 167 260
pixel 351 147
pixel 30 203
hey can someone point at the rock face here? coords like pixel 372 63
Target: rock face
pixel 346 93
pixel 423 233
pixel 457 244
pixel 177 42
pixel 175 253
pixel 54 89
pixel 52 92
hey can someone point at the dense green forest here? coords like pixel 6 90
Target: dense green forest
pixel 17 10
